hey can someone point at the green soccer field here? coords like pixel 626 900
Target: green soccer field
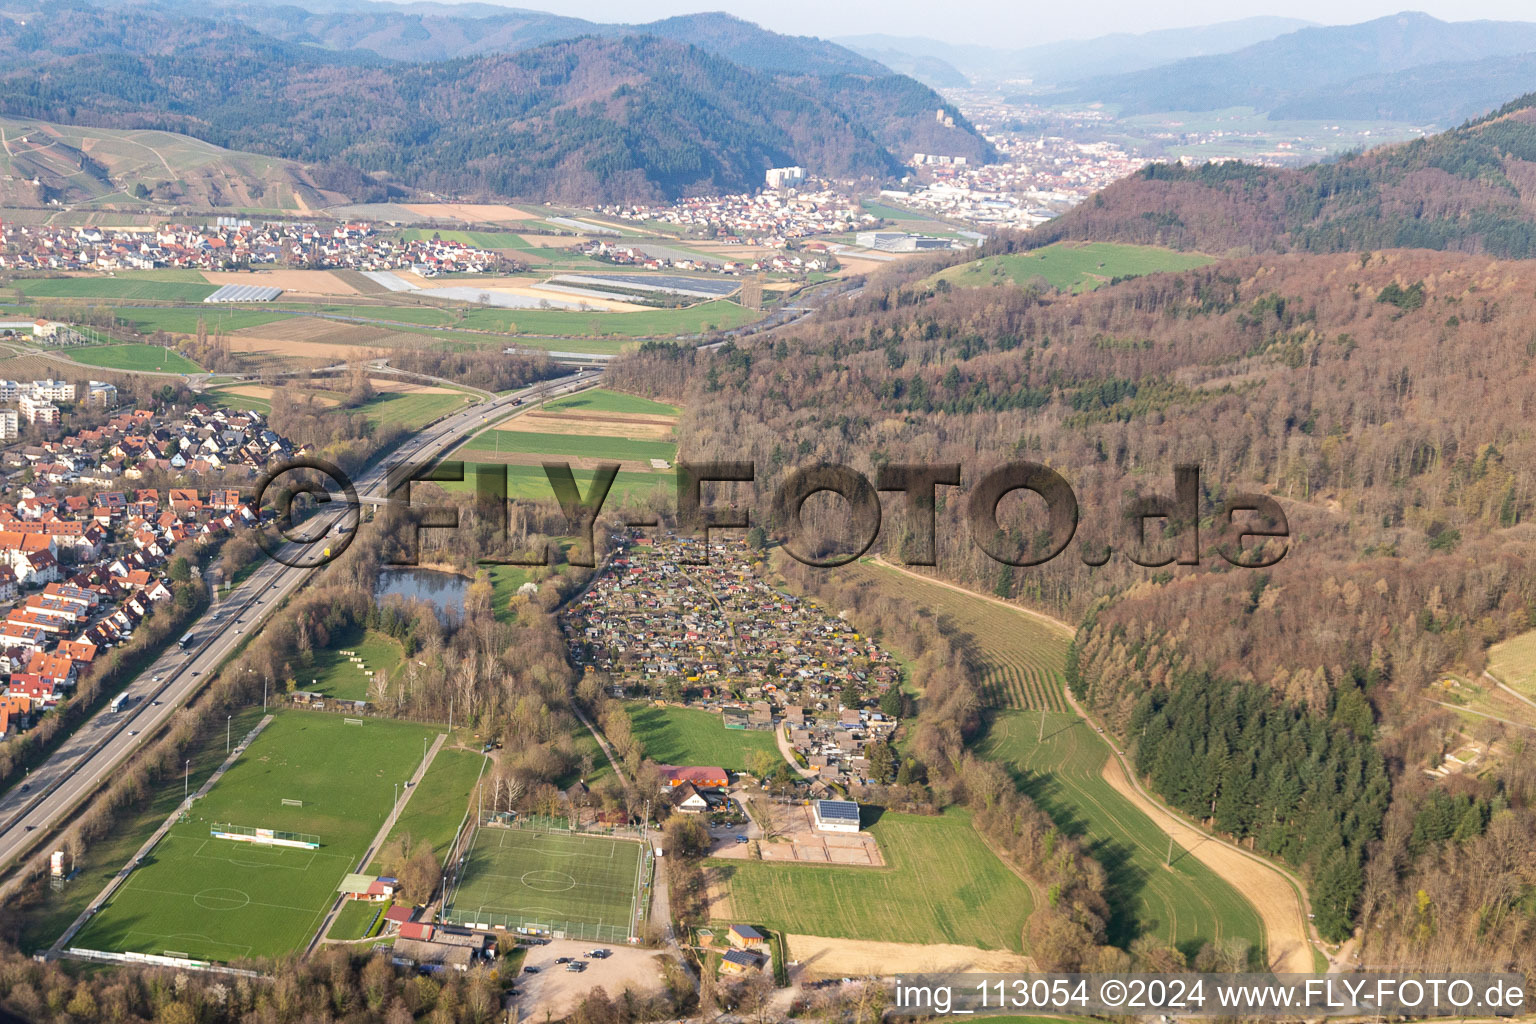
pixel 578 884
pixel 221 899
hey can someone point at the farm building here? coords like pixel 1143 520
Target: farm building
pixel 836 815
pixel 673 776
pixel 740 961
pixel 746 937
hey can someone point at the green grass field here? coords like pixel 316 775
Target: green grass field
pixel 134 358
pixel 688 737
pixel 42 922
pixel 717 314
pixel 578 884
pixel 1021 660
pixel 128 287
pixel 941 884
pixel 1021 668
pixel 355 919
pixel 438 805
pixel 530 482
pixel 336 675
pixel 219 899
pixel 1186 905
pixel 888 212
pixel 1071 266
pixel 147 319
pixel 1513 662
pixel 616 449
pixel 409 410
pixel 603 400
pixel 230 400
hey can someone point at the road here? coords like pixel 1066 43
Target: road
pixel 101 743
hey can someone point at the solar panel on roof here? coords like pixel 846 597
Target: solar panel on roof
pixel 837 810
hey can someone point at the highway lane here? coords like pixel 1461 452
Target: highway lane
pixel 52 790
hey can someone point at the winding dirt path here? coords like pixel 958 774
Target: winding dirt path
pixel 1276 895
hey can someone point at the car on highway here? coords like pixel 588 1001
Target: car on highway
pixel 133 732
pixel 26 786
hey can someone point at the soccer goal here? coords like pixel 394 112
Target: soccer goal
pixel 292 803
pixel 352 721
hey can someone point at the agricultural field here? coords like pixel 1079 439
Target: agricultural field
pixel 530 483
pixel 602 400
pixel 1513 663
pixel 1021 660
pixel 584 429
pixel 440 801
pixel 133 358
pixel 1060 766
pixel 687 736
pixel 941 885
pixel 148 319
pixel 225 900
pixel 583 885
pixel 336 675
pixel 138 286
pixel 1059 763
pixel 599 448
pixel 411 410
pixel 80 165
pixel 717 314
pixel 1070 266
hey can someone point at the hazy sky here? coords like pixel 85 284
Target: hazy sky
pixel 1018 22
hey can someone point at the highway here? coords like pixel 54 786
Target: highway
pixel 30 809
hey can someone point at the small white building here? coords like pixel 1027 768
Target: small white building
pixel 835 815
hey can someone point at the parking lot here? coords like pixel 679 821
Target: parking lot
pixel 554 991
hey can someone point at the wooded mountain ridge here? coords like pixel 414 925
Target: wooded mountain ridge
pixel 1466 190
pixel 580 120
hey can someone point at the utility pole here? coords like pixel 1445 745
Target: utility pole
pixel 1041 738
pixel 1169 864
pixel 227 720
pixel 186 776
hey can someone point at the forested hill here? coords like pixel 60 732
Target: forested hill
pixel 1471 189
pixel 579 120
pixel 1383 398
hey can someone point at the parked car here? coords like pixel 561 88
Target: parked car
pixel 530 970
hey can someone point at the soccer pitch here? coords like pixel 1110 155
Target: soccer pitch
pixel 220 899
pixel 579 885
